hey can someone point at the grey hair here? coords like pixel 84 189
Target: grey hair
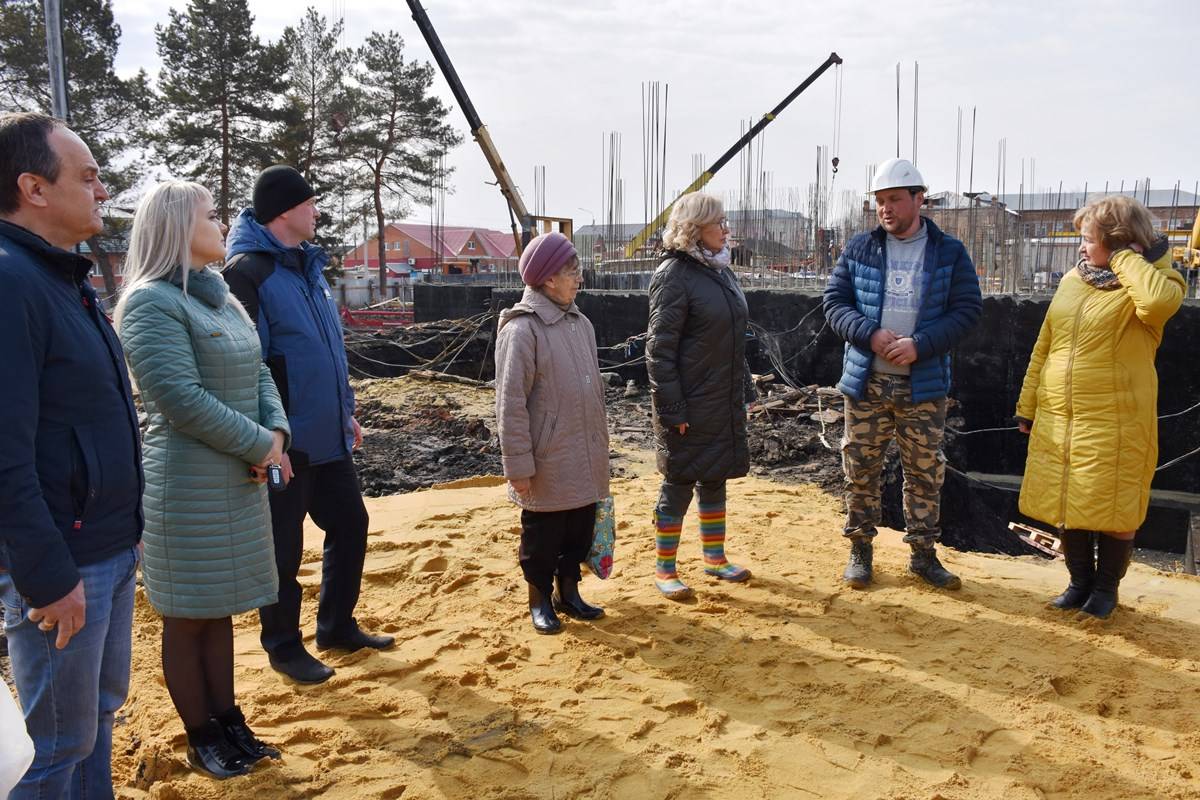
pixel 689 214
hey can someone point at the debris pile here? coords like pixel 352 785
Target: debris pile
pixel 418 434
pixel 794 434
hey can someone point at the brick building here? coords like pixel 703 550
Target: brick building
pixel 451 250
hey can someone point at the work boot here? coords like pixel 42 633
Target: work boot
pixel 302 667
pixel 860 570
pixel 924 563
pixel 209 752
pixel 1111 563
pixel 1079 551
pixel 238 733
pixel 568 601
pixel 356 639
pixel 541 611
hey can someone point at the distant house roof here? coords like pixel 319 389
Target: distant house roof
pixel 735 216
pixel 450 241
pixel 1053 201
pixel 954 200
pixel 624 231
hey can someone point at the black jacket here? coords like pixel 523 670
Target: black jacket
pixel 70 454
pixel 696 357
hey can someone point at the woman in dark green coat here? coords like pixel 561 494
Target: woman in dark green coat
pixel 215 424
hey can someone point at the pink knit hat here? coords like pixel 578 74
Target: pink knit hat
pixel 544 256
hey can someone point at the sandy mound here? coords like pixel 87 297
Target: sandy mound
pixel 789 686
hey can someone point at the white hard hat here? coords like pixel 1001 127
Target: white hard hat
pixel 897 173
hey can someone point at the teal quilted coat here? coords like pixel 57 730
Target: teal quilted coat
pixel 212 406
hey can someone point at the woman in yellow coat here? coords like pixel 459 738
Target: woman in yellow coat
pixel 1090 398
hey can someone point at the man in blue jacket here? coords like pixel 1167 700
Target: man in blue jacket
pixel 901 296
pixel 70 464
pixel 276 272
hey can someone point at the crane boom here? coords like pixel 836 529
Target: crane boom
pixel 639 241
pixel 516 205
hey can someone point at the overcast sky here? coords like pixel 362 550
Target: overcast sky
pixel 1103 90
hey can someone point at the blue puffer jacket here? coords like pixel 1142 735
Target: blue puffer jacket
pixel 284 291
pixel 854 306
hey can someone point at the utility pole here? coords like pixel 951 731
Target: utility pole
pixel 54 57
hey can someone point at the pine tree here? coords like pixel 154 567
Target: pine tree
pixel 219 83
pixel 398 132
pixel 316 110
pixel 108 112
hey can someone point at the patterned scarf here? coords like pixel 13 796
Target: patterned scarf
pixel 1101 278
pixel 717 261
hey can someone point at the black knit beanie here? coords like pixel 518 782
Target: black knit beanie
pixel 278 189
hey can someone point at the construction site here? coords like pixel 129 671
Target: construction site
pixel 790 685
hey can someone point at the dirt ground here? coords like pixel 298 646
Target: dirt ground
pixel 789 686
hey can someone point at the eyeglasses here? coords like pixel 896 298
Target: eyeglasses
pixel 723 222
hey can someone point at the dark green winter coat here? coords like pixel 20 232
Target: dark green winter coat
pixel 212 405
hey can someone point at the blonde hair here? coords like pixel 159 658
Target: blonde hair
pixel 161 240
pixel 1117 221
pixel 689 214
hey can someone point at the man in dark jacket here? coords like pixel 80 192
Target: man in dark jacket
pixel 70 464
pixel 276 273
pixel 901 296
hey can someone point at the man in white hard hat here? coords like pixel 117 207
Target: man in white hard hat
pixel 901 296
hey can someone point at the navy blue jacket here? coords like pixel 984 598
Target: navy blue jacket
pixel 70 453
pixel 285 293
pixel 950 307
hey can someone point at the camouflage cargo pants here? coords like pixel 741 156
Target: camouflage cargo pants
pixel 886 413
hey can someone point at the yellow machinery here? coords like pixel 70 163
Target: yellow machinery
pixel 1187 256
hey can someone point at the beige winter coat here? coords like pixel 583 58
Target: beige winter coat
pixel 550 405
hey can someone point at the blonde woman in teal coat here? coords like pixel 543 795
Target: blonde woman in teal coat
pixel 215 424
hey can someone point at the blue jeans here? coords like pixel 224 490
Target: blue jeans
pixel 69 696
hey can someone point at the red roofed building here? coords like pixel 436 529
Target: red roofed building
pixel 451 250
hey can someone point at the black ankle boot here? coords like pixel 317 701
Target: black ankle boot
pixel 238 733
pixel 541 610
pixel 209 752
pixel 1079 551
pixel 302 667
pixel 860 569
pixel 924 562
pixel 1111 562
pixel 568 601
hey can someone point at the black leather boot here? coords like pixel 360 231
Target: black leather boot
pixel 860 569
pixel 1111 563
pixel 238 733
pixel 209 752
pixel 541 611
pixel 302 667
pixel 356 639
pixel 568 601
pixel 1079 551
pixel 924 562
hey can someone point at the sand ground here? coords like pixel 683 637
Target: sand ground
pixel 790 686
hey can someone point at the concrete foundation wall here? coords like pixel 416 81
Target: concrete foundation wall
pixel 988 366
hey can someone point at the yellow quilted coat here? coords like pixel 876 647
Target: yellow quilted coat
pixel 1092 393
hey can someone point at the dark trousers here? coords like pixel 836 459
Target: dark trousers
pixel 675 498
pixel 555 543
pixel 329 493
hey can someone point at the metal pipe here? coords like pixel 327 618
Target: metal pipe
pixel 56 60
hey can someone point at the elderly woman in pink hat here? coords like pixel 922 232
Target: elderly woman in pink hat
pixel 553 430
